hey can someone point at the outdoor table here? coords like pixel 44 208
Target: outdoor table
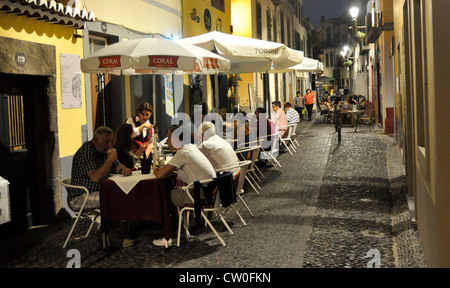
pixel 352 112
pixel 135 198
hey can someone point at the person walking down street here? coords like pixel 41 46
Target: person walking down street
pixel 309 102
pixel 142 128
pixel 299 104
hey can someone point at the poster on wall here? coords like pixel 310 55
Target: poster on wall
pixel 70 81
pixel 169 95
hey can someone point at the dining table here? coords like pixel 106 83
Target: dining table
pixel 138 197
pixel 354 114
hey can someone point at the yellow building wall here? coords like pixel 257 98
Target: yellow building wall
pixel 138 15
pixel 241 19
pixel 194 18
pixel 195 23
pixel 430 180
pixel 30 29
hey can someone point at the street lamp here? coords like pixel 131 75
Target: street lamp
pixel 357 35
pixel 354 11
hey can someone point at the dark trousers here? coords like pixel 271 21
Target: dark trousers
pixel 309 109
pixel 300 112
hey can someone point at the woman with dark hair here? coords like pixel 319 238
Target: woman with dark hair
pixel 123 144
pixel 142 128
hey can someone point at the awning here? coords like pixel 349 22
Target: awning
pixel 307 65
pixel 49 11
pixel 324 79
pixel 247 55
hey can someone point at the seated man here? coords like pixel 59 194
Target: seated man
pixel 280 121
pixel 218 151
pixel 291 115
pixel 92 163
pixel 191 166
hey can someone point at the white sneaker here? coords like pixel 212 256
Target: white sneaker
pixel 163 242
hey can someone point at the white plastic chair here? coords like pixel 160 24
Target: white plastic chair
pixel 254 154
pixel 215 209
pixel 287 141
pixel 91 213
pixel 240 180
pixel 293 135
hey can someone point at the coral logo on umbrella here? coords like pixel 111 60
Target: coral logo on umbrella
pixel 210 63
pixel 163 61
pixel 109 62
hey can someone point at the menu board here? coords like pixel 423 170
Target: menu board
pixel 71 81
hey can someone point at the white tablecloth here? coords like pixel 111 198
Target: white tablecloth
pixel 126 183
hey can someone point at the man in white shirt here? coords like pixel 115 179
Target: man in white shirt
pixel 291 115
pixel 191 166
pixel 218 151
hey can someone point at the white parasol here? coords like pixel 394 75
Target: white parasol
pixel 247 55
pixel 153 56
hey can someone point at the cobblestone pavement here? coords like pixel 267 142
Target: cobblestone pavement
pixel 327 206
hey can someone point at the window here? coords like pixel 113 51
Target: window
pixel 258 21
pixel 282 27
pixel 275 34
pixel 288 32
pixel 331 59
pixel 269 25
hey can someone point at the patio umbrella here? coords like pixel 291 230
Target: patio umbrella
pixel 247 55
pixel 153 56
pixel 307 65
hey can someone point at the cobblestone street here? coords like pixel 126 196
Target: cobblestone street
pixel 329 205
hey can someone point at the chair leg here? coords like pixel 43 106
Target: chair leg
pixel 254 181
pixel 262 175
pixel 71 229
pixel 90 227
pixel 256 176
pixel 245 204
pixel 225 223
pixel 251 184
pixel 240 217
pixel 214 230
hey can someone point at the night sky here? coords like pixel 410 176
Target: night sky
pixel 314 9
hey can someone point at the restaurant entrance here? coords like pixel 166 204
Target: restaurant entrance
pixel 24 116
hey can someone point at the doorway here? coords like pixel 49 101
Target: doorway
pixel 26 142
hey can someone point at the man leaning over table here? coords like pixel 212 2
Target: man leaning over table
pixel 218 150
pixel 92 163
pixel 191 165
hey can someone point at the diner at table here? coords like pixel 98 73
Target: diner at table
pixel 94 161
pixel 142 128
pixel 191 165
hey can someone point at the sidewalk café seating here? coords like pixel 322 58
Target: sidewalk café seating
pixel 239 181
pixel 252 154
pixel 219 195
pixel 287 140
pixel 293 135
pixel 368 118
pixel 324 112
pixel 271 154
pixel 93 214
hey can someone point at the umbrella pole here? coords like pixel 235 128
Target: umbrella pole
pixel 216 91
pixel 154 99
